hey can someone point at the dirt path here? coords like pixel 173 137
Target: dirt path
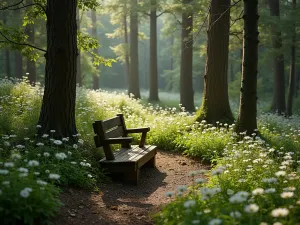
pixel 119 204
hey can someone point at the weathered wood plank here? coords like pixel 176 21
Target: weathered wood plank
pixel 132 155
pixel 110 123
pixel 117 132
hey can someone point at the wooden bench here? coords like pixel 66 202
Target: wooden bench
pixel 128 159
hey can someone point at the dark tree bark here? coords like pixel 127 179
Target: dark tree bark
pixel 297 83
pixel 7 63
pixel 134 87
pixel 289 109
pixel 78 74
pixel 248 107
pixel 94 34
pixel 215 104
pixel 18 64
pixel 31 69
pixel 278 104
pixel 6 50
pixel 126 42
pixel 58 106
pixel 153 85
pixel 186 69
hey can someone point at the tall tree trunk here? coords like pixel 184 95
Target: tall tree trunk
pixel 134 87
pixel 94 34
pixel 186 69
pixel 171 53
pixel 18 64
pixel 153 85
pixel 31 69
pixel 297 83
pixel 58 106
pixel 6 50
pixel 78 74
pixel 248 101
pixel 278 104
pixel 215 105
pixel 18 56
pixel 126 42
pixel 289 110
pixel 7 63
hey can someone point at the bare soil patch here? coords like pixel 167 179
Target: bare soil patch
pixel 119 204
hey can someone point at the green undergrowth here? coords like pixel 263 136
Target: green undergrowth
pixel 250 184
pixel 32 171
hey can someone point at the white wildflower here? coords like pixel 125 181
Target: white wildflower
pixel 57 142
pixel 25 193
pixel 23 170
pixel 45 135
pixel 5 182
pixel 3 172
pixel 236 214
pixel 280 212
pixel 200 180
pixel 239 197
pixel 9 164
pixel 215 222
pixel 61 156
pixel 280 173
pixel 182 188
pixel 270 190
pixel 189 203
pixel 41 182
pixel 258 191
pixel 169 194
pixel 20 146
pixel 53 176
pixel 33 163
pixel 252 208
pixel 287 194
pixel 16 156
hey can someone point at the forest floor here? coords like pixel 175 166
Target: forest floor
pixel 121 204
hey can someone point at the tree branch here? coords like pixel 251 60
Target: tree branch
pixel 13 5
pixel 236 34
pixel 161 13
pixel 24 44
pixel 38 4
pixel 178 21
pixel 237 19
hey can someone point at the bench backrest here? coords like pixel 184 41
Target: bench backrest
pixel 111 128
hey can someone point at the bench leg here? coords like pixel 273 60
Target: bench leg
pixel 132 177
pixel 150 163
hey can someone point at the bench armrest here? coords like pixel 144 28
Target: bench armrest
pixel 120 140
pixel 137 130
pixel 143 130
